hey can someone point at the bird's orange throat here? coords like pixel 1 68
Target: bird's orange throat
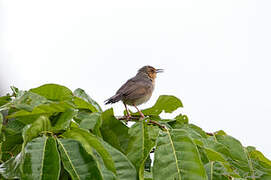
pixel 152 76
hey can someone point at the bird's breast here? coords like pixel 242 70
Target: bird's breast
pixel 145 97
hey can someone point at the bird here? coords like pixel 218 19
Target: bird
pixel 136 90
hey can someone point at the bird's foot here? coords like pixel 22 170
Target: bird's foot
pixel 128 117
pixel 141 115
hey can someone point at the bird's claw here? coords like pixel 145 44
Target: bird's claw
pixel 128 117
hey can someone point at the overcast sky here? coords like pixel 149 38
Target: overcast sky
pixel 216 54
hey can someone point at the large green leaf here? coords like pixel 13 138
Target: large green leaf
pixel 125 169
pixel 164 103
pixel 106 173
pixel 261 165
pixel 33 130
pixel 238 157
pixel 178 157
pixel 53 92
pixel 11 168
pixel 235 147
pixel 83 95
pixel 114 131
pixel 82 104
pixel 23 120
pixel 49 108
pixel 63 121
pixel 41 160
pixel 80 164
pixel 112 159
pixel 90 141
pixel 90 121
pixel 142 140
pixel 214 156
pixel 257 155
pixel 28 101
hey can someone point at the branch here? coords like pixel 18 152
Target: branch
pixel 133 118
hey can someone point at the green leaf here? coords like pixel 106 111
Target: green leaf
pixel 14 126
pixel 28 101
pixel 212 143
pixel 11 145
pixel 90 141
pixel 53 92
pixel 125 169
pixel 33 130
pixel 90 121
pixel 164 103
pixel 257 155
pixel 220 132
pixel 261 165
pixel 24 120
pixel 235 147
pixel 177 156
pixel 50 108
pixel 107 174
pixel 79 164
pixel 194 131
pixel 179 121
pixel 10 169
pixel 114 131
pixel 82 104
pixel 140 144
pixel 220 171
pixel 4 99
pixel 41 160
pixel 63 122
pixel 83 95
pixel 214 156
pixel 239 158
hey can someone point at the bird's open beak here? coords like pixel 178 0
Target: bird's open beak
pixel 159 70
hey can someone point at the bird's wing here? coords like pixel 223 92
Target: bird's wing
pixel 135 88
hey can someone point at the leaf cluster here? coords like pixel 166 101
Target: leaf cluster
pixel 50 132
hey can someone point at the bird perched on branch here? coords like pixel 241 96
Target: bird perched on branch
pixel 136 90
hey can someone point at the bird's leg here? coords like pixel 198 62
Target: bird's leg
pixel 141 114
pixel 128 113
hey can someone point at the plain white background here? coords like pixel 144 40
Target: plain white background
pixel 216 54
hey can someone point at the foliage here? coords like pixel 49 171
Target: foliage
pixel 53 133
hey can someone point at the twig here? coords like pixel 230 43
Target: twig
pixel 128 118
pixel 157 124
pixel 133 118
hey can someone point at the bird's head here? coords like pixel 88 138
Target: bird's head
pixel 150 71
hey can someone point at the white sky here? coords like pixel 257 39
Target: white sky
pixel 216 54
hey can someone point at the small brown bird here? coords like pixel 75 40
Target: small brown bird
pixel 136 90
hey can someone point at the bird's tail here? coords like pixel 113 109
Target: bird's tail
pixel 113 99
